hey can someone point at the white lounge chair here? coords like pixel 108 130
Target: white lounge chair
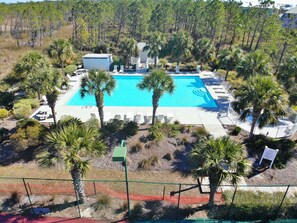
pixel 137 118
pixel 119 116
pixel 107 116
pixel 42 115
pixel 129 117
pixel 169 117
pixel 149 118
pixel 122 69
pixel 115 68
pixel 43 100
pixel 160 117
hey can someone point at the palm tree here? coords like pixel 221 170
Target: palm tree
pixel 159 82
pixel 98 83
pixel 61 51
pixel 70 145
pixel 262 98
pixel 220 159
pixel 254 63
pixel 52 96
pixel 155 42
pixel 128 49
pixel 204 51
pixel 181 45
pixel 30 64
pixel 229 58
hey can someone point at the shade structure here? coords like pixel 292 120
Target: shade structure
pixel 119 154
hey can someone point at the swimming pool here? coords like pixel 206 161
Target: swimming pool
pixel 189 92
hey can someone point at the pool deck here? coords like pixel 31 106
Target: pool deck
pixel 185 115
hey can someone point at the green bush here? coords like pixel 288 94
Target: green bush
pixel 34 103
pixel 93 122
pixel 155 132
pixel 21 111
pixel 28 133
pixel 103 201
pixel 3 113
pixel 236 131
pixel 130 128
pixel 115 125
pixel 70 69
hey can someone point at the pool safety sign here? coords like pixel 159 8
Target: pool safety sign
pixel 269 154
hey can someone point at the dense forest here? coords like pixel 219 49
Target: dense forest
pixel 212 32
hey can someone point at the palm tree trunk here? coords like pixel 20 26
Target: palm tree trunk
pixel 253 127
pixel 78 184
pixel 155 106
pixel 99 104
pixel 226 76
pixel 213 190
pixel 281 56
pixel 155 62
pixel 214 181
pixel 54 115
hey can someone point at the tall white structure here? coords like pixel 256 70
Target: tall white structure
pixel 143 60
pixel 97 61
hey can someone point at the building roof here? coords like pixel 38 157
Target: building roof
pixel 97 55
pixel 292 11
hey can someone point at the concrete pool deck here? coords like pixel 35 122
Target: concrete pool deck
pixel 185 115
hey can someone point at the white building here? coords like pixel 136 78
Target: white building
pixel 97 61
pixel 143 58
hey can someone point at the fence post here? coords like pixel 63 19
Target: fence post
pixel 29 188
pixel 178 202
pixel 33 211
pixel 281 204
pixel 163 193
pixel 77 201
pixel 232 201
pixel 94 187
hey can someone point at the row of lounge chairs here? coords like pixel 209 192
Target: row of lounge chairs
pixel 115 69
pixel 139 117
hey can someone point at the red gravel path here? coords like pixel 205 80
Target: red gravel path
pixel 67 189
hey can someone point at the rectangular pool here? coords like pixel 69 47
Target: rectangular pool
pixel 189 92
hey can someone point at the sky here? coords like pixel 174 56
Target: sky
pixel 292 2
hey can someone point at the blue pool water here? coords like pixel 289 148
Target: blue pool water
pixel 189 92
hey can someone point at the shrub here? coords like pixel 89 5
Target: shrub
pixel 146 164
pixel 200 131
pixel 3 133
pixel 102 202
pixel 70 69
pixel 137 147
pixel 6 100
pixel 136 212
pixel 163 62
pixel 14 198
pixel 168 156
pixel 28 133
pixel 3 113
pixel 21 111
pixel 182 128
pixel 93 122
pixel 236 131
pixel 34 103
pixel 114 125
pixel 155 132
pixel 130 128
pixel 177 153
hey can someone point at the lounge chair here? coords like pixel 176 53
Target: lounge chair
pixel 122 69
pixel 107 116
pixel 128 117
pixel 169 117
pixel 42 115
pixel 160 117
pixel 119 116
pixel 148 117
pixel 43 100
pixel 137 118
pixel 115 68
